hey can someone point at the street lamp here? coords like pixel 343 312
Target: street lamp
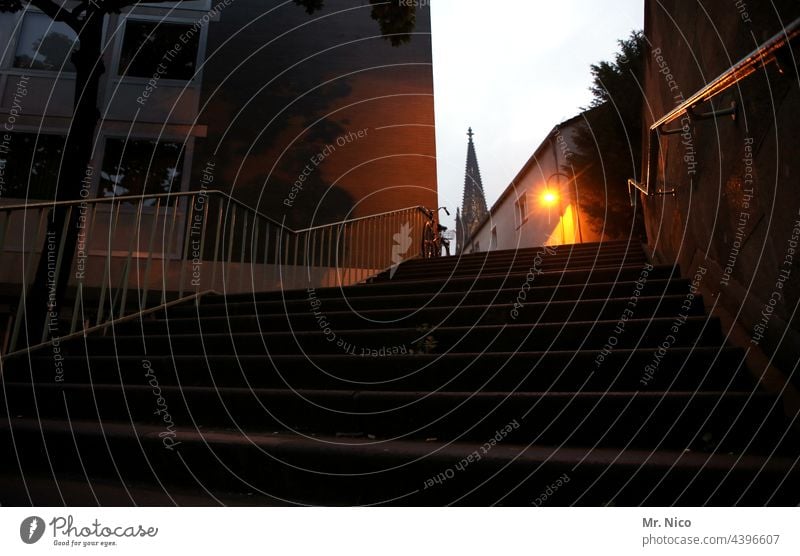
pixel 549 199
pixel 575 208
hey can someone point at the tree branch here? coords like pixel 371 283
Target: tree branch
pixel 57 13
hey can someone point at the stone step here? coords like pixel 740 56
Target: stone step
pixel 364 471
pixel 496 271
pixel 562 252
pixel 514 265
pixel 463 284
pixel 590 335
pixel 54 488
pixel 677 368
pixel 700 421
pixel 240 316
pixel 412 300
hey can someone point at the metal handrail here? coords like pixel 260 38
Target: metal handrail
pixel 116 322
pixel 124 261
pixel 759 58
pixel 229 198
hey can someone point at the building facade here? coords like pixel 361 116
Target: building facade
pixel 303 119
pixel 540 206
pixel 308 118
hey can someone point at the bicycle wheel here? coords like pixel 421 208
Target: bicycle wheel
pixel 427 242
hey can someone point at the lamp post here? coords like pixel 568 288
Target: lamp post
pixel 575 208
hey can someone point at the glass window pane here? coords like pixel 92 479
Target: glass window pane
pixel 168 50
pixel 140 166
pixel 29 167
pixel 44 44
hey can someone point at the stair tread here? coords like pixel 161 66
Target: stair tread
pixel 217 298
pixel 446 451
pixel 494 306
pixel 410 356
pixel 74 490
pixel 437 280
pixel 417 394
pixel 410 329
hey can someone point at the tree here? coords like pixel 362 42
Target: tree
pixel 608 148
pixel 397 18
pixel 86 20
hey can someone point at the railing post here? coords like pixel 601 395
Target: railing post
pixel 217 241
pixel 166 249
pixel 203 233
pixel 112 230
pixel 312 278
pixel 296 239
pixel 254 253
pixel 330 267
pixel 277 257
pixel 285 261
pixel 348 253
pixel 226 269
pixel 359 250
pixel 59 259
pixel 78 305
pixel 370 246
pixel 243 250
pixel 266 252
pixel 29 274
pixel 149 263
pixel 126 275
pixel 187 236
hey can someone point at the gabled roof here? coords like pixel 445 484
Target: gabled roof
pixel 527 166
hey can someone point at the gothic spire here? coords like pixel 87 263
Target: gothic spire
pixel 473 206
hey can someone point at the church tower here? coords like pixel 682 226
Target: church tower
pixel 473 206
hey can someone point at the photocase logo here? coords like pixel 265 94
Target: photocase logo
pixel 402 243
pixel 31 529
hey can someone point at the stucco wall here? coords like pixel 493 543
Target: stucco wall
pixel 737 207
pixel 545 224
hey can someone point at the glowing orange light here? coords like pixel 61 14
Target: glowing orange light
pixel 549 198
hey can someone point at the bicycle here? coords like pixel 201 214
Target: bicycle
pixel 432 241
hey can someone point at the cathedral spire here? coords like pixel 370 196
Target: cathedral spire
pixel 473 206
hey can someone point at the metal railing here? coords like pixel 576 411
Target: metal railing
pixel 132 253
pixel 761 57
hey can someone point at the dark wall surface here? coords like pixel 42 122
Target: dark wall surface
pixel 317 118
pixel 736 213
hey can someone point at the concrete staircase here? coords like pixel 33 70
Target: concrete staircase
pixel 579 375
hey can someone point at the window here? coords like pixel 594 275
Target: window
pixel 140 167
pixel 29 165
pixel 521 209
pixel 44 44
pixel 150 48
pixel 493 243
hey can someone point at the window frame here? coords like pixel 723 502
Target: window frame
pixel 195 82
pixel 8 66
pixel 34 130
pixel 521 210
pixel 187 144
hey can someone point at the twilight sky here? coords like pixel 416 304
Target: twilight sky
pixel 513 69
